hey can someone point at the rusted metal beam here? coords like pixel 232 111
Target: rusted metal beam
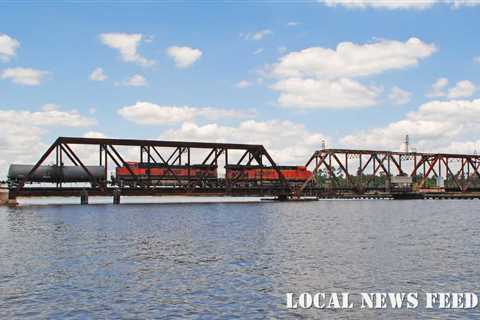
pixel 157 143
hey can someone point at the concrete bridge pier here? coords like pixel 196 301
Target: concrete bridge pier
pixel 116 196
pixel 7 197
pixel 84 197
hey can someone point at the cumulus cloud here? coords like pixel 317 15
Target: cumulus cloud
pixel 287 142
pixel 292 24
pixel 258 51
pixel 8 46
pixel 257 35
pixel 184 57
pixel 438 87
pixel 463 89
pixel 399 96
pixel 23 132
pixel 127 44
pixel 382 4
pixel 134 81
pixel 313 93
pixel 49 115
pixel 398 4
pixel 463 3
pixel 151 114
pixel 24 76
pixel 353 60
pixel 94 134
pixel 98 75
pixel 243 84
pixel 434 126
pixel 319 77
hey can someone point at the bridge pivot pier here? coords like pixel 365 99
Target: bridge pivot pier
pixel 116 196
pixel 84 197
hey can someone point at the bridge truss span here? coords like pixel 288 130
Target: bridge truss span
pixel 192 168
pixel 363 170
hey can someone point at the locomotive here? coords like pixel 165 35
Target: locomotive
pixel 254 175
pixel 157 174
pixel 162 175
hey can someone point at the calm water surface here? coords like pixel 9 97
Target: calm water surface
pixel 209 261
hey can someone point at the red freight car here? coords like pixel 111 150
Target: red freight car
pixel 160 174
pixel 257 174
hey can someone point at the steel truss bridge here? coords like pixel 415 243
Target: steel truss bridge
pixel 337 172
pixel 361 171
pixel 111 153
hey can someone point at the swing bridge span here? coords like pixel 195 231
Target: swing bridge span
pixel 126 167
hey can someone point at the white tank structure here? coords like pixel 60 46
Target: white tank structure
pixel 55 174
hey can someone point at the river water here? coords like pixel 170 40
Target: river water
pixel 233 260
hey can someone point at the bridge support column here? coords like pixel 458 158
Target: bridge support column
pixel 4 196
pixel 8 197
pixel 84 197
pixel 116 196
pixel 12 198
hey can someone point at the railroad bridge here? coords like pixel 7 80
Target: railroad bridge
pixel 74 166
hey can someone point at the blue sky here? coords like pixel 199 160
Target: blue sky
pixel 259 44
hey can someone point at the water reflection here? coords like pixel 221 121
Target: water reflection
pixel 231 260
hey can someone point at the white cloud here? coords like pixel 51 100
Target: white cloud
pixel 381 4
pixel 50 115
pixel 94 134
pixel 399 96
pixel 134 81
pixel 137 81
pixel 398 4
pixel 476 59
pixel 438 87
pixel 151 114
pixel 8 46
pixel 463 89
pixel 98 75
pixel 257 35
pixel 465 3
pixel 287 142
pixel 184 57
pixel 24 76
pixel 258 51
pixel 243 84
pixel 292 24
pixel 433 127
pixel 18 147
pixel 313 93
pixel 127 44
pixel 322 78
pixel 353 60
pixel 23 132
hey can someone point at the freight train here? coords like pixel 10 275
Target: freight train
pixel 240 175
pixel 154 174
